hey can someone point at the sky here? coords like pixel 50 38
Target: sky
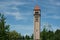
pixel 19 14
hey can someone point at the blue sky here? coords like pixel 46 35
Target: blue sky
pixel 19 14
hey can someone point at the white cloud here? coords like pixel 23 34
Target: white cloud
pixel 55 2
pixel 53 17
pixel 12 3
pixel 50 26
pixel 17 15
pixel 23 29
pixel 58 3
pixel 15 8
pixel 55 27
pixel 10 8
pixel 56 17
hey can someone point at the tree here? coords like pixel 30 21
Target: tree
pixel 32 37
pixel 47 34
pixel 57 35
pixel 44 34
pixel 4 29
pixel 50 35
pixel 27 37
pixel 13 35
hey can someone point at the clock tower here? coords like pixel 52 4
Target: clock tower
pixel 37 23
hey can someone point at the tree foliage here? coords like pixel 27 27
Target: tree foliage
pixel 4 29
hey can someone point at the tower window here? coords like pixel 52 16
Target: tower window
pixel 36 20
pixel 36 12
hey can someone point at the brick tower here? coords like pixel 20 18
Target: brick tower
pixel 37 23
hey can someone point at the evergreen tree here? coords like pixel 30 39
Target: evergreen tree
pixel 27 37
pixel 4 29
pixel 57 35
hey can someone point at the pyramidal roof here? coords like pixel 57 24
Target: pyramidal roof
pixel 36 7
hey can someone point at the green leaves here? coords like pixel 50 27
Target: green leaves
pixel 50 35
pixel 14 35
pixel 3 28
pixel 57 35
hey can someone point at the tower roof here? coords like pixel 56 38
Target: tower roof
pixel 36 8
